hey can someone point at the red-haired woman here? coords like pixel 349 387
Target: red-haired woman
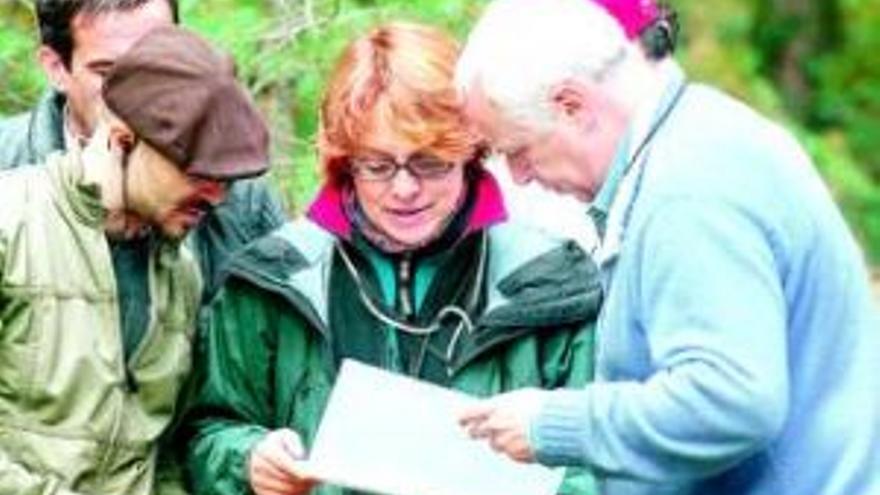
pixel 404 262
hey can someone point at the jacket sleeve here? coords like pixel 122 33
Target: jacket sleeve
pixel 251 210
pixel 3 248
pixel 15 478
pixel 567 359
pixel 717 388
pixel 13 133
pixel 567 362
pixel 232 405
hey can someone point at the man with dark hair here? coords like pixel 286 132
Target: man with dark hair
pixel 81 40
pixel 54 18
pixel 90 367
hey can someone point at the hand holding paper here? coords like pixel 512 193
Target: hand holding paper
pixel 275 467
pixel 504 421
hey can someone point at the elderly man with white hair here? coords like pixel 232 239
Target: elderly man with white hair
pixel 737 347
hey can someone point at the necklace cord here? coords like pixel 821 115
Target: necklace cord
pixel 465 321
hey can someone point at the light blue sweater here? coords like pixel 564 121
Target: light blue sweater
pixel 738 352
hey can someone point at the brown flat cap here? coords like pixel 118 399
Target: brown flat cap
pixel 180 95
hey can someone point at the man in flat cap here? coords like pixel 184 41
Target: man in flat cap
pixel 85 392
pixel 79 41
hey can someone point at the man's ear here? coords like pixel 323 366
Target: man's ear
pixel 120 137
pixel 54 68
pixel 572 101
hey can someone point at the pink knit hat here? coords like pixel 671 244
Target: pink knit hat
pixel 633 15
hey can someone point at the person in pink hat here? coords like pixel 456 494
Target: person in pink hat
pixel 560 214
pixel 737 345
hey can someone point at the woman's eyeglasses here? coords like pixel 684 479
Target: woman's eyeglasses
pixel 384 168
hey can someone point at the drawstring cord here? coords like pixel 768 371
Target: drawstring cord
pixel 465 323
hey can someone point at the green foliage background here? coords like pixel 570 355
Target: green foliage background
pixel 285 49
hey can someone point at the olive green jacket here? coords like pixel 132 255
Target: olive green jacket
pixel 268 359
pixel 74 416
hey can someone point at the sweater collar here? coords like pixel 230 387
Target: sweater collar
pixel 646 116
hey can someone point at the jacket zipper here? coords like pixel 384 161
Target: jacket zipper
pixel 113 436
pixel 152 322
pixel 130 386
pixel 405 303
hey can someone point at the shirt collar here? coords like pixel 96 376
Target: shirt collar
pixel 601 204
pixel 645 116
pixel 69 135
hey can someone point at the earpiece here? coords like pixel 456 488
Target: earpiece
pixel 127 144
pixel 660 38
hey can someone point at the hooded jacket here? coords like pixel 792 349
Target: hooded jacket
pixel 291 308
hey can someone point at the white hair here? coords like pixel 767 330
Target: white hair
pixel 520 49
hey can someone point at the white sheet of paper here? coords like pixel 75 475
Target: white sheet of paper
pixel 387 433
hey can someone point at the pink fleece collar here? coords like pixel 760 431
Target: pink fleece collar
pixel 327 209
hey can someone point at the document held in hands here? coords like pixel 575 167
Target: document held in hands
pixel 387 433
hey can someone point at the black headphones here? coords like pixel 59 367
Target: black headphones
pixel 660 38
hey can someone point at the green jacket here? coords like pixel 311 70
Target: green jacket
pixel 74 417
pixel 271 353
pixel 249 211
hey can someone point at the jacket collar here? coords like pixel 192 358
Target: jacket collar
pixel 328 209
pixel 45 142
pixel 84 200
pixel 46 126
pixel 541 286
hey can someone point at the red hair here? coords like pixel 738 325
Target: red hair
pixel 397 77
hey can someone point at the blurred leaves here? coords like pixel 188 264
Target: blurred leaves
pixel 20 78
